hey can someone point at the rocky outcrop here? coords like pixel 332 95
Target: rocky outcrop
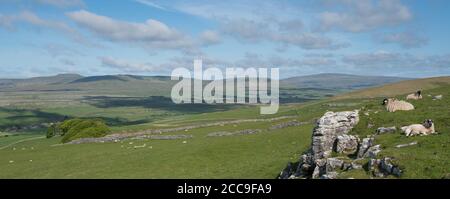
pixel 331 135
pixel 330 132
pixel 384 167
pixel 328 128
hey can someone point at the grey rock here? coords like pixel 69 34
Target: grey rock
pixel 328 128
pixel 406 145
pixel 347 144
pixel 365 145
pixel 287 124
pixel 240 132
pixel 287 172
pixel 437 97
pixel 320 168
pixel 384 167
pixel 329 175
pixel 334 164
pixel 373 151
pixel 383 130
pixel 316 173
pixel 355 165
pixel 346 166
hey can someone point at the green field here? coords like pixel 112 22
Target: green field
pixel 26 154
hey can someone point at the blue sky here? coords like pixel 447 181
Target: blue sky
pixel 152 37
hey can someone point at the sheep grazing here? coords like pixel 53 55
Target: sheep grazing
pixel 393 105
pixel 427 128
pixel 415 96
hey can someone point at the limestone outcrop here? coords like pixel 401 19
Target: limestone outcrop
pixel 330 137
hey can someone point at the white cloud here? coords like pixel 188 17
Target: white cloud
pixel 8 21
pixel 151 34
pixel 275 31
pixel 246 30
pixel 364 15
pixel 210 37
pixel 310 41
pixel 404 39
pixel 151 4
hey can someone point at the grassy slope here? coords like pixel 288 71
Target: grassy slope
pixel 393 89
pixel 250 156
pixel 431 157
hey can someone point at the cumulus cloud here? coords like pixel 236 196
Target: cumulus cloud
pixel 404 39
pixel 8 21
pixel 364 15
pixel 309 41
pixel 62 3
pixel 210 37
pixel 150 34
pixel 275 31
pixel 246 29
pixel 270 21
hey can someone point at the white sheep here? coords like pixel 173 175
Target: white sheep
pixel 426 128
pixel 415 96
pixel 393 105
pixel 141 146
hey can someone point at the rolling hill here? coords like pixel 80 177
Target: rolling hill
pixel 303 87
pixel 255 155
pixel 337 81
pixel 393 89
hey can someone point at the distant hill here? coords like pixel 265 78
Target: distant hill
pixel 295 89
pixel 337 81
pixel 398 88
pixel 102 85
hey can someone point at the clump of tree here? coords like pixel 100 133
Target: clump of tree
pixel 78 128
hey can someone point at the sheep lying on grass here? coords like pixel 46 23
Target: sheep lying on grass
pixel 415 96
pixel 427 128
pixel 393 105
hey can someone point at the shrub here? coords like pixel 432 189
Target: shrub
pixel 82 128
pixel 52 130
